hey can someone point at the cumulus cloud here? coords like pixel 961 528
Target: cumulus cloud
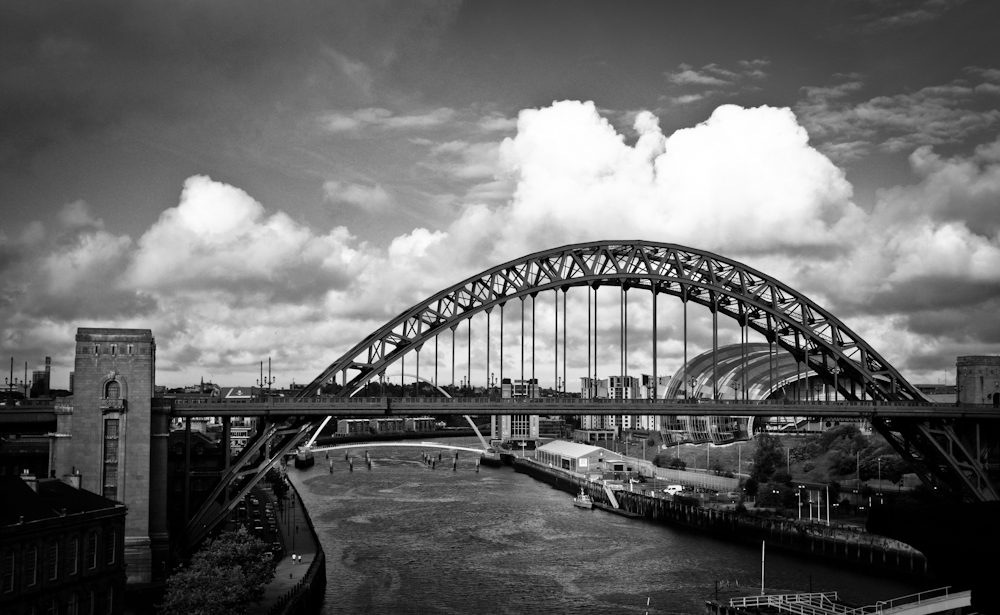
pixel 222 280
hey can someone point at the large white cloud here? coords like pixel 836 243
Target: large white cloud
pixel 225 281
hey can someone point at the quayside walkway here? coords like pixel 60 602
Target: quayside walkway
pixel 297 539
pixel 939 600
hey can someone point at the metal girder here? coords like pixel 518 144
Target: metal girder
pixel 212 512
pixel 933 447
pixel 794 322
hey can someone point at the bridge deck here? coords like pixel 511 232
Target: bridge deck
pixel 372 407
pixel 383 406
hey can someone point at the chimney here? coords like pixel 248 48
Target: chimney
pixel 72 479
pixel 29 478
pixel 48 375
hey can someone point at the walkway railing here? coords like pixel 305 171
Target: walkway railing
pixel 825 603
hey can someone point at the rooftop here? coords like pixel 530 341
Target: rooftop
pixel 53 497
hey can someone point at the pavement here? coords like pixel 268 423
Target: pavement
pixel 297 540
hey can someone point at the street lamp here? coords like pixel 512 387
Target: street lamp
pixel 799 494
pixel 265 382
pixel 12 382
pixel 692 381
pixel 736 389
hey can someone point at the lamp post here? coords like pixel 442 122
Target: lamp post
pixel 692 381
pixel 265 382
pixel 880 479
pixel 835 370
pixel 11 383
pixel 799 494
pixel 736 389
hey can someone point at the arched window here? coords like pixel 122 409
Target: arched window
pixel 112 390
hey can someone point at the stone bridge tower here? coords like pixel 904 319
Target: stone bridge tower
pixel 111 435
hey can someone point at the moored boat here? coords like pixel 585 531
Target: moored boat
pixel 583 500
pixel 304 458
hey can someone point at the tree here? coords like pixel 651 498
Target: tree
pixel 767 457
pixel 277 482
pixel 225 576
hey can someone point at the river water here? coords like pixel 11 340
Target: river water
pixel 403 538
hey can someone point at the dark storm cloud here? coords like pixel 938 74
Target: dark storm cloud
pixel 67 68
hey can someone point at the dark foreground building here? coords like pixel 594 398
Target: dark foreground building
pixel 61 548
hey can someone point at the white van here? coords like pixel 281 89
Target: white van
pixel 673 489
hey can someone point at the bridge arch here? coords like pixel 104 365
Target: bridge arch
pixel 784 316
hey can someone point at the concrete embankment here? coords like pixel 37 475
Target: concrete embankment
pixel 847 545
pixel 297 587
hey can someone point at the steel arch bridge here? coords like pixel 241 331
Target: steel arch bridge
pixel 946 449
pixel 784 316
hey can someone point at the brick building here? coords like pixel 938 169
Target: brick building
pixel 110 434
pixel 978 380
pixel 61 548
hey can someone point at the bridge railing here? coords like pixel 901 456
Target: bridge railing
pixel 638 403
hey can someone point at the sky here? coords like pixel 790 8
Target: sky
pixel 278 179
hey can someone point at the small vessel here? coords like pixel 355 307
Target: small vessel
pixel 304 458
pixel 583 500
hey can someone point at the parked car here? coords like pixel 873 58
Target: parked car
pixel 673 489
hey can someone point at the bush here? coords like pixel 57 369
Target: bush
pixel 223 577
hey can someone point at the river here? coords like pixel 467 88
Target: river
pixel 403 538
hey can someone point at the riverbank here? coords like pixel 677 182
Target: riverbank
pixel 847 545
pixel 300 576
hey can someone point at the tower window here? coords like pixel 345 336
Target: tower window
pixel 114 349
pixel 112 390
pixel 130 349
pixel 97 349
pixel 110 459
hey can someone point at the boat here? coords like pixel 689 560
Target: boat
pixel 583 500
pixel 304 458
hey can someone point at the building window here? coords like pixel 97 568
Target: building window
pixel 89 603
pixel 114 349
pixel 71 606
pixel 31 566
pixel 130 348
pixel 110 546
pixel 111 601
pixel 52 561
pixel 97 349
pixel 91 550
pixel 52 607
pixel 72 555
pixel 111 458
pixel 112 390
pixel 7 572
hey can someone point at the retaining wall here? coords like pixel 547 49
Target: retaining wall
pixel 843 544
